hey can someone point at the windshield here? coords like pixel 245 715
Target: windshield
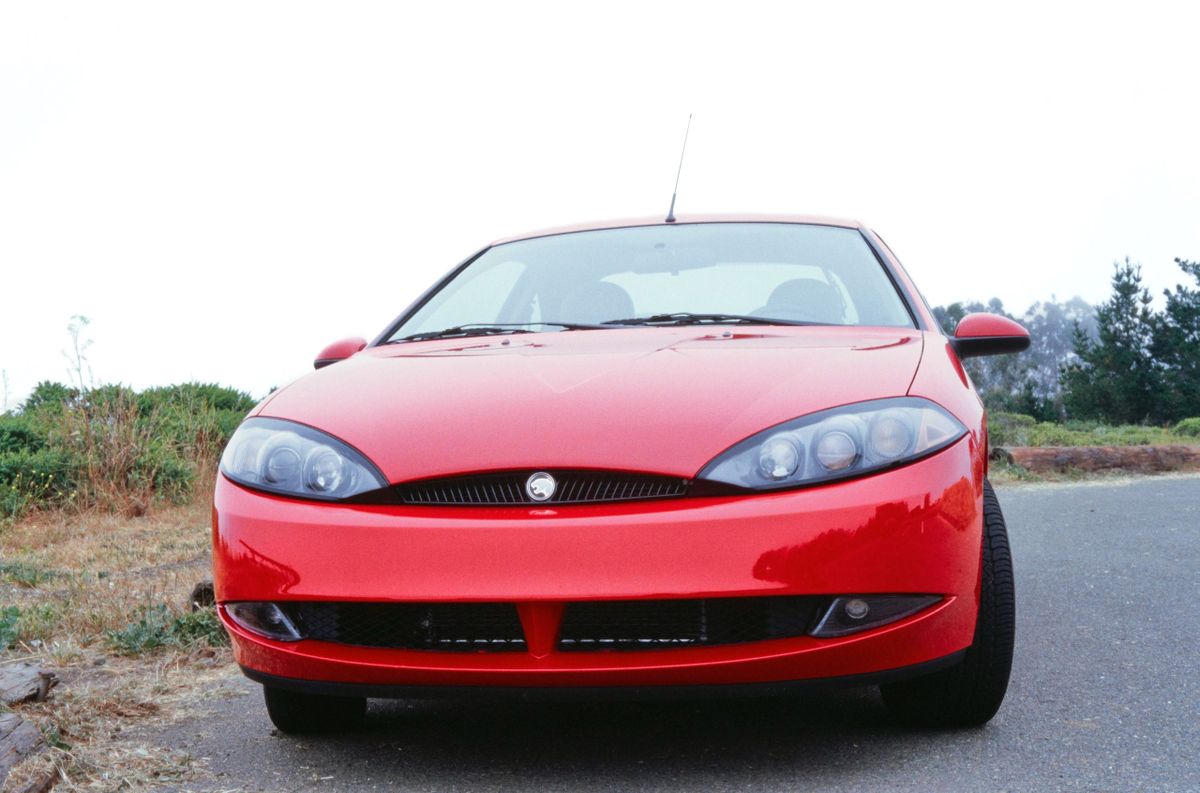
pixel 736 272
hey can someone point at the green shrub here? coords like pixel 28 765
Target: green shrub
pixel 28 479
pixel 47 467
pixel 194 421
pixel 9 616
pixel 195 431
pixel 1055 435
pixel 1189 428
pixel 166 474
pixel 38 621
pixel 1015 429
pixel 227 422
pixel 25 574
pixel 129 452
pixel 1010 429
pixel 20 434
pixel 49 395
pixel 156 628
pixel 150 631
pixel 199 627
pixel 1130 435
pixel 112 447
pixel 193 395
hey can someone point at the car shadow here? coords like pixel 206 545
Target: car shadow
pixel 810 733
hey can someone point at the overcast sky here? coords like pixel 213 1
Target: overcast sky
pixel 225 188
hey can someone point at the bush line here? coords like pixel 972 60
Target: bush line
pixel 114 448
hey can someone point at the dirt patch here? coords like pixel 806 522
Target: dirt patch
pixel 1090 459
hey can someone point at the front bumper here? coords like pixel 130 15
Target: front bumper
pixel 912 530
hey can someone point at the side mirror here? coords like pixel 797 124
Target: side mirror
pixel 988 334
pixel 339 351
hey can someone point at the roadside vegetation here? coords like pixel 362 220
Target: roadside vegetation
pixel 113 449
pixel 104 533
pixel 1016 429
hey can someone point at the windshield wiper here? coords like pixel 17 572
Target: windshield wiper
pixel 687 318
pixel 493 329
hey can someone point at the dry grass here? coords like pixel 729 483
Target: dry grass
pixel 111 443
pixel 76 579
pixel 98 570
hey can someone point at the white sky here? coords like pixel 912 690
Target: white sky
pixel 225 188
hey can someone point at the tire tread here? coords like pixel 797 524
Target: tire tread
pixel 298 713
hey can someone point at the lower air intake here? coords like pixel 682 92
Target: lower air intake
pixel 703 622
pixel 448 627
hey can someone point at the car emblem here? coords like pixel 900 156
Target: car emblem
pixel 541 486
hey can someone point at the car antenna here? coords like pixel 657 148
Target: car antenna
pixel 671 211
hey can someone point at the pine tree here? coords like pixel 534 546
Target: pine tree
pixel 1115 378
pixel 1176 347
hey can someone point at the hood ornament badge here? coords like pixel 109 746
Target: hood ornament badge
pixel 541 486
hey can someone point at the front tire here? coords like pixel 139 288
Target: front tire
pixel 969 693
pixel 299 713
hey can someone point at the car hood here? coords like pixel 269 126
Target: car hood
pixel 660 400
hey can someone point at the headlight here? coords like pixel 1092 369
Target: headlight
pixel 295 460
pixel 835 444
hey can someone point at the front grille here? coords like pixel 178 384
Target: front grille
pixel 572 487
pixel 463 627
pixel 665 624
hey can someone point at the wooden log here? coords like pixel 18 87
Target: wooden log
pixel 1135 459
pixel 18 739
pixel 22 682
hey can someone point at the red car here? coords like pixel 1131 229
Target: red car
pixel 711 453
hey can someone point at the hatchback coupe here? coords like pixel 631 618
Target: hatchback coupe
pixel 706 454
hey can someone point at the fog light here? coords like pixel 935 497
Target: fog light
pixel 853 613
pixel 856 609
pixel 265 619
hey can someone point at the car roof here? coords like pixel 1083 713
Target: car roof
pixel 658 220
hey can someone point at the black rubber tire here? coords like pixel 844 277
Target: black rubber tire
pixel 969 693
pixel 299 713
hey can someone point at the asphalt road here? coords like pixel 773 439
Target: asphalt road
pixel 1105 696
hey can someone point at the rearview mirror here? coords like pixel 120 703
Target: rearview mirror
pixel 988 334
pixel 339 351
